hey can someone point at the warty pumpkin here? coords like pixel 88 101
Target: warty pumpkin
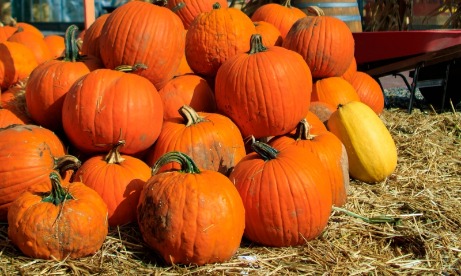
pixel 286 195
pixel 67 221
pixel 188 10
pixel 190 216
pixel 370 147
pixel 266 91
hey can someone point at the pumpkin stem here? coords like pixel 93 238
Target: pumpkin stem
pixel 66 163
pixel 187 164
pixel 303 131
pixel 316 11
pixel 216 6
pixel 287 3
pixel 58 194
pixel 114 156
pixel 131 68
pixel 264 150
pixel 256 43
pixel 71 52
pixel 179 6
pixel 190 116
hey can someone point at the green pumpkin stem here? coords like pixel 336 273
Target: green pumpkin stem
pixel 131 68
pixel 58 194
pixel 190 116
pixel 256 43
pixel 178 7
pixel 114 156
pixel 216 6
pixel 264 150
pixel 65 163
pixel 303 131
pixel 187 164
pixel 71 52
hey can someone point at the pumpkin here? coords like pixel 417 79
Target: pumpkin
pixel 270 34
pixel 8 117
pixel 49 83
pixel 216 36
pixel 351 70
pixel 141 32
pixel 118 179
pixel 191 90
pixel 90 41
pixel 67 221
pixel 6 32
pixel 334 91
pixel 322 110
pixel 14 100
pixel 370 147
pixel 29 28
pixel 55 44
pixel 282 16
pixel 369 91
pixel 106 106
pixel 35 43
pixel 190 216
pixel 211 139
pixel 325 42
pixel 286 195
pixel 330 151
pixel 188 10
pixel 266 91
pixel 28 153
pixel 16 63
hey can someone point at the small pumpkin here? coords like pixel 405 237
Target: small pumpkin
pixel 56 45
pixel 35 43
pixel 67 221
pixel 370 147
pixel 16 63
pixel 270 34
pixel 369 91
pixel 333 91
pixel 190 216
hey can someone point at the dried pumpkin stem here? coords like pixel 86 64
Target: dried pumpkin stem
pixel 58 193
pixel 303 130
pixel 264 150
pixel 131 68
pixel 114 156
pixel 187 164
pixel 257 46
pixel 66 163
pixel 190 116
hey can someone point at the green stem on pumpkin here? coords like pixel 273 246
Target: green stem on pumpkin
pixel 114 156
pixel 190 116
pixel 256 43
pixel 131 68
pixel 216 6
pixel 264 150
pixel 58 194
pixel 179 6
pixel 187 164
pixel 303 131
pixel 71 52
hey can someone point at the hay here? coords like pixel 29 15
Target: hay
pixel 422 197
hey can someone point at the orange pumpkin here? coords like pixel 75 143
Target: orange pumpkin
pixel 190 216
pixel 6 32
pixel 35 43
pixel 67 221
pixel 322 110
pixel 334 91
pixel 90 41
pixel 56 45
pixel 188 10
pixel 16 63
pixel 369 91
pixel 270 34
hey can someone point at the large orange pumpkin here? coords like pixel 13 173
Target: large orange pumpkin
pixel 68 220
pixel 190 216
pixel 141 32
pixel 266 91
pixel 211 139
pixel 90 42
pixel 106 106
pixel 286 195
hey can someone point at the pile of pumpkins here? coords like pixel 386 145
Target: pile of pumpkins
pixel 199 123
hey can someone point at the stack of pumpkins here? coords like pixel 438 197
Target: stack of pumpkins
pixel 193 120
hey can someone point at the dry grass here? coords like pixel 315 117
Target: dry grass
pixel 422 196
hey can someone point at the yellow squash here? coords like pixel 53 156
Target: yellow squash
pixel 370 147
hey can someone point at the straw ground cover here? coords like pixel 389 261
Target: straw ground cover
pixel 410 223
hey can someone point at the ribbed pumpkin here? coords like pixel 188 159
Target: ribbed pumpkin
pixel 370 147
pixel 286 195
pixel 56 45
pixel 191 90
pixel 90 41
pixel 282 16
pixel 16 63
pixel 266 91
pixel 49 83
pixel 369 91
pixel 191 216
pixel 188 10
pixel 28 153
pixel 211 139
pixel 351 70
pixel 270 34
pixel 141 32
pixel 334 91
pixel 331 153
pixel 216 36
pixel 118 179
pixel 325 42
pixel 35 43
pixel 106 106
pixel 68 220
